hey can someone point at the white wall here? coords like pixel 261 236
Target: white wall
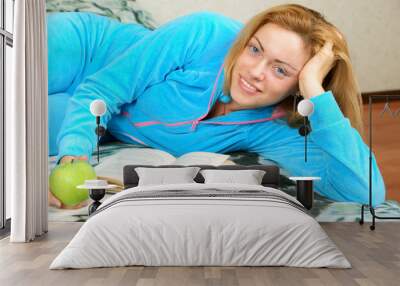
pixel 372 28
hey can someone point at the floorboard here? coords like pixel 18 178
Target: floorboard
pixel 374 255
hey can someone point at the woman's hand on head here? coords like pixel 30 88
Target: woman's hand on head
pixel 53 201
pixel 315 70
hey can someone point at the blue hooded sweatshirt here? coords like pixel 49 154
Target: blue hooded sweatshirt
pixel 159 87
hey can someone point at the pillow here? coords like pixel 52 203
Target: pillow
pixel 162 176
pixel 248 177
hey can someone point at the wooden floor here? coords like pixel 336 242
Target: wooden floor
pixel 374 255
pixel 386 144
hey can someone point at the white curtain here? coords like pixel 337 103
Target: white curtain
pixel 26 123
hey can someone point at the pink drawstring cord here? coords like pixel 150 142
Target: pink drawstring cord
pixel 278 113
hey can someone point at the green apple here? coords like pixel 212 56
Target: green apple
pixel 65 177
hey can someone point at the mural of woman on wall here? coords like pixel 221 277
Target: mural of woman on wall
pixel 206 82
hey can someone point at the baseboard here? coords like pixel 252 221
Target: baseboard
pixel 379 95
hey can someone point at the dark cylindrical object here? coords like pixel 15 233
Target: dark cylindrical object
pixel 305 194
pixel 97 194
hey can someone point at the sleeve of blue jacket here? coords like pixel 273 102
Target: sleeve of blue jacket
pixel 336 153
pixel 146 62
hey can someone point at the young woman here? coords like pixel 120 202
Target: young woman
pixel 205 82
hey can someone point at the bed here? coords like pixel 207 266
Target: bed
pixel 201 224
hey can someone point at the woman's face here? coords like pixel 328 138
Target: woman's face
pixel 267 70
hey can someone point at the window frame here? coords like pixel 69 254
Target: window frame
pixel 6 39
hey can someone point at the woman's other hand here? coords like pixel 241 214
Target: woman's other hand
pixel 67 159
pixel 53 201
pixel 315 70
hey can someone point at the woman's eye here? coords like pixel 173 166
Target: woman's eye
pixel 280 71
pixel 253 49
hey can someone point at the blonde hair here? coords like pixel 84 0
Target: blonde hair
pixel 312 27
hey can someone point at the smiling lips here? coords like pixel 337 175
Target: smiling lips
pixel 247 87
